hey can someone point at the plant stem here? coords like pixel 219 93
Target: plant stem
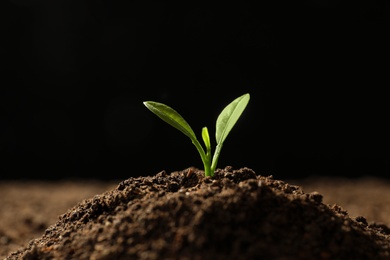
pixel 215 158
pixel 205 158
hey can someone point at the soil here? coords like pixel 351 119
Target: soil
pixel 237 214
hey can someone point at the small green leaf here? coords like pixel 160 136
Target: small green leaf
pixel 229 116
pixel 206 138
pixel 172 117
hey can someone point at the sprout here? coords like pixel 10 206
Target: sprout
pixel 225 122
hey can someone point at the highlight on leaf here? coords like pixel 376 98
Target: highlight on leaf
pixel 229 116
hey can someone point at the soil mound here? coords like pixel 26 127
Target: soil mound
pixel 183 215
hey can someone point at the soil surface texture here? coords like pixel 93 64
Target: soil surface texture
pixel 237 214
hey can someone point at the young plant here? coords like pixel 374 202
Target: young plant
pixel 225 122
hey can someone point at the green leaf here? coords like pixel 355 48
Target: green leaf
pixel 206 138
pixel 229 116
pixel 172 117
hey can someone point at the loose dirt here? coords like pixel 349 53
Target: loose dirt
pixel 237 214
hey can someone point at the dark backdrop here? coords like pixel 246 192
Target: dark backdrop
pixel 74 75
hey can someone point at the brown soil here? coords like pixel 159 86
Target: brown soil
pixel 182 215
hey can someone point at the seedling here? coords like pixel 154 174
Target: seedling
pixel 225 122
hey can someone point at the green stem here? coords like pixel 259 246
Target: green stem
pixel 215 158
pixel 205 158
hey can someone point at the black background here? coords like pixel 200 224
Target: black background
pixel 74 75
